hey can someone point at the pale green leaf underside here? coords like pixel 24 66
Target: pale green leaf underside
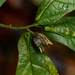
pixel 64 32
pixel 1 2
pixel 50 11
pixel 37 64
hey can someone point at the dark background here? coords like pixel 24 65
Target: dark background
pixel 20 13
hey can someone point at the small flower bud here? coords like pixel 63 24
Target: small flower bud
pixel 41 41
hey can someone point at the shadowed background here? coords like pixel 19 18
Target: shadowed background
pixel 20 13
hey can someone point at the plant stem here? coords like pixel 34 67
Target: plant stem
pixel 30 31
pixel 18 28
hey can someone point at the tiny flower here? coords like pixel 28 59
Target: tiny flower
pixel 41 41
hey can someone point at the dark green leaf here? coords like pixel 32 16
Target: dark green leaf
pixel 32 62
pixel 52 10
pixel 1 2
pixel 63 31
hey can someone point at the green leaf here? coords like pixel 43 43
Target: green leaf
pixel 64 32
pixel 50 11
pixel 31 62
pixel 1 2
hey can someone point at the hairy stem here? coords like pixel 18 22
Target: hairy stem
pixel 18 28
